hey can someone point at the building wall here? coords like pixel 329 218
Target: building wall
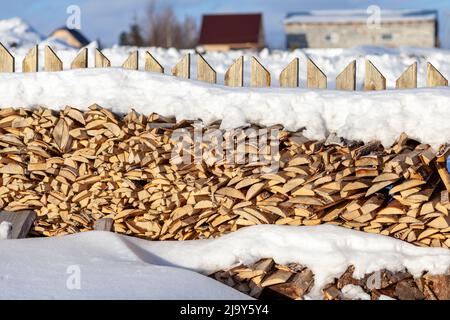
pixel 393 34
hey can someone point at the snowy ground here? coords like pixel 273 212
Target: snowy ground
pixel 113 266
pixel 422 113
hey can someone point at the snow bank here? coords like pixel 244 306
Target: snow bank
pixel 422 113
pixel 96 266
pixel 116 266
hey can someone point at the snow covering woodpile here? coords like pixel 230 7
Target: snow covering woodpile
pixel 383 115
pixel 113 266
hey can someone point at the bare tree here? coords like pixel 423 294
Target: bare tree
pixel 162 28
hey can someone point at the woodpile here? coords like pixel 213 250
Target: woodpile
pixel 73 168
pixel 267 280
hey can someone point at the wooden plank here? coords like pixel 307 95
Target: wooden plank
pixel 22 221
pixel 100 60
pixel 183 68
pixel 346 80
pixel 443 173
pixel 408 79
pixel 373 79
pixel 204 71
pixel 434 77
pixel 52 62
pixel 234 77
pixel 6 60
pixel 259 76
pixel 30 62
pixel 104 224
pixel 316 79
pixel 289 77
pixel 151 64
pixel 441 165
pixel 81 60
pixel 132 62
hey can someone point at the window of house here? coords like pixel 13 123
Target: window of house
pixel 295 41
pixel 328 37
pixel 386 36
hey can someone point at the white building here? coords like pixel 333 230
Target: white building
pixel 347 28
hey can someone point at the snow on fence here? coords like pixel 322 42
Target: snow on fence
pixel 234 76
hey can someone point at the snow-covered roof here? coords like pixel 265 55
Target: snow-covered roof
pixel 347 16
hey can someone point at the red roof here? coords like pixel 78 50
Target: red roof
pixel 230 28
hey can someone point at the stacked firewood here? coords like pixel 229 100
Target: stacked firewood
pixel 74 168
pixel 267 280
pixel 270 280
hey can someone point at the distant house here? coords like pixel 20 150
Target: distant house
pixel 347 28
pixel 223 32
pixel 72 37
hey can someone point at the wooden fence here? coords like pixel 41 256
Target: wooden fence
pixel 234 76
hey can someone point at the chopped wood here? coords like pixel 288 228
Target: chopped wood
pixel 74 168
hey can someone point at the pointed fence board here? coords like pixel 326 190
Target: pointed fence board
pixel 434 77
pixel 373 79
pixel 259 76
pixel 30 62
pixel 183 68
pixel 234 77
pixel 408 79
pixel 132 62
pixel 81 60
pixel 21 221
pixel 346 80
pixel 289 75
pixel 316 79
pixel 204 71
pixel 52 62
pixel 100 60
pixel 6 60
pixel 151 64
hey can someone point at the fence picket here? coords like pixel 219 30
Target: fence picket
pixel 434 77
pixel 234 77
pixel 346 80
pixel 132 62
pixel 289 77
pixel 52 63
pixel 373 79
pixel 204 71
pixel 316 79
pixel 151 64
pixel 81 60
pixel 259 76
pixel 183 68
pixel 408 79
pixel 6 60
pixel 30 62
pixel 101 61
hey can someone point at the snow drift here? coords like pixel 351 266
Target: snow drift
pixel 113 266
pixel 421 113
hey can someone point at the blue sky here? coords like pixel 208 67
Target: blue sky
pixel 106 19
